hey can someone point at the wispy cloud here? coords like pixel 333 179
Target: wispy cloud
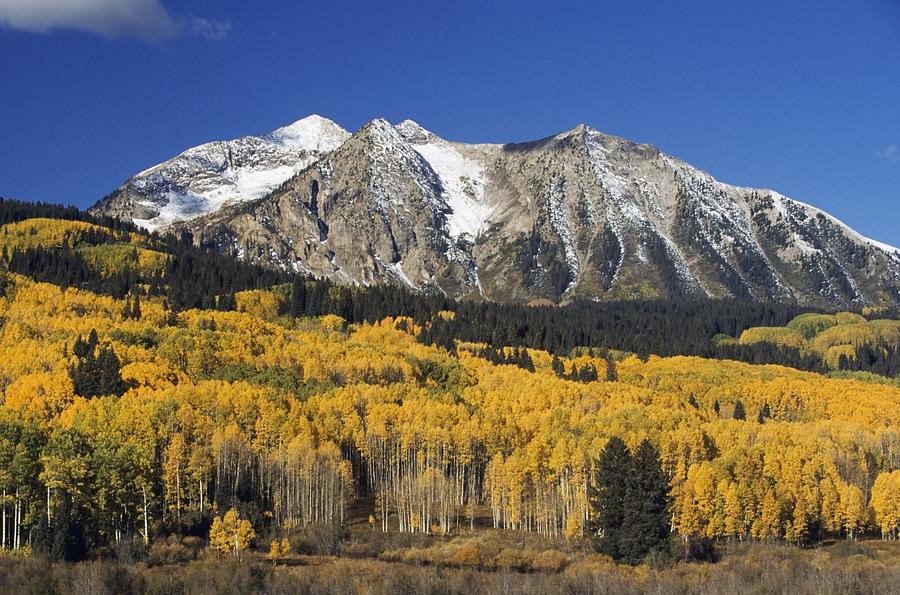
pixel 891 153
pixel 213 29
pixel 147 20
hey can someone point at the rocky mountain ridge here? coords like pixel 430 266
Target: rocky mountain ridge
pixel 580 214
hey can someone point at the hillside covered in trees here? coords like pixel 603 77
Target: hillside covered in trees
pixel 69 248
pixel 263 405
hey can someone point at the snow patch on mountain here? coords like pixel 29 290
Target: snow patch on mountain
pixel 891 250
pixel 312 133
pixel 397 269
pixel 205 178
pixel 390 159
pixel 462 182
pixel 561 220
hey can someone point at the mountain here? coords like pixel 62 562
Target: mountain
pixel 580 214
pixel 205 178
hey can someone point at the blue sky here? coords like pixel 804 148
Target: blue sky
pixel 800 96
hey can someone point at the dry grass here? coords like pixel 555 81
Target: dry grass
pixel 475 565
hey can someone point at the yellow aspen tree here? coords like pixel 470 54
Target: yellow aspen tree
pixel 716 526
pixel 886 503
pixel 734 512
pixel 231 534
pixel 274 552
pixel 853 510
pixel 768 524
pixel 804 511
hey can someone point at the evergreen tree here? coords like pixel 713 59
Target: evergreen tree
pixel 645 516
pixel 612 375
pixel 97 372
pixel 764 413
pixel 136 307
pixel 606 496
pixel 716 407
pixel 739 411
pixel 4 273
pixel 557 366
pixel 63 538
pixel 109 373
pixel 692 401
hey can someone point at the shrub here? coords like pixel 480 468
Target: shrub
pixel 395 555
pixel 130 550
pixel 549 561
pixel 694 550
pixel 319 540
pixel 172 551
pixel 514 559
pixel 467 555
pixel 359 550
pixel 414 556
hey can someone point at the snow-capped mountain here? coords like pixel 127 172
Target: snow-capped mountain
pixel 203 179
pixel 577 215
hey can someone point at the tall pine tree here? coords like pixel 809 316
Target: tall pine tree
pixel 645 517
pixel 607 496
pixel 298 298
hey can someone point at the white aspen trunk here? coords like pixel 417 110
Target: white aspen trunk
pixel 18 522
pixel 146 516
pixel 178 491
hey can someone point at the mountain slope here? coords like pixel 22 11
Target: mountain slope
pixel 578 214
pixel 203 179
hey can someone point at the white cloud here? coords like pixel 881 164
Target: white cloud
pixel 148 20
pixel 890 152
pixel 213 29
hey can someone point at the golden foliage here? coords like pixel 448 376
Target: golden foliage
pixel 231 534
pixel 224 395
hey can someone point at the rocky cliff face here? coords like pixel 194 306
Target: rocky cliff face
pixel 579 214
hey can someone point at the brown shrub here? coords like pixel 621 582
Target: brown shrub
pixel 514 559
pixel 467 555
pixel 549 561
pixel 163 553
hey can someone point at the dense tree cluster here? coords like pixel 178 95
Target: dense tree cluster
pixel 288 420
pixel 516 356
pixel 13 211
pixel 285 398
pixel 97 371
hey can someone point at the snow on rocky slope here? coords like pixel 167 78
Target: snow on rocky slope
pixel 205 178
pixel 580 214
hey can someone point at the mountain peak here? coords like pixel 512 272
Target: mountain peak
pixel 582 130
pixel 414 133
pixel 380 132
pixel 311 133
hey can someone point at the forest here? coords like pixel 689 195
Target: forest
pixel 268 417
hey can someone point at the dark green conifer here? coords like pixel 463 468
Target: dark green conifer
pixel 557 366
pixel 606 496
pixel 612 375
pixel 645 517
